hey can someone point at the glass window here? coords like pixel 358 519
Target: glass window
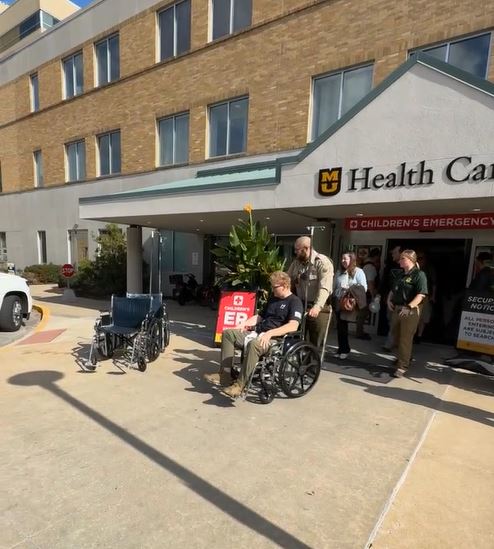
pixel 38 168
pixel 108 60
pixel 73 75
pixel 3 246
pixel 228 127
pixel 34 92
pixel 174 29
pixel 42 247
pixel 335 94
pixel 174 139
pixel 109 153
pixel 230 16
pixel 76 161
pixel 469 54
pixel 30 24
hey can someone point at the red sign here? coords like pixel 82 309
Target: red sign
pixel 234 308
pixel 453 222
pixel 68 270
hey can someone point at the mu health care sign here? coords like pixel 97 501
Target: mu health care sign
pixel 476 332
pixel 234 308
pixel 459 170
pixel 421 222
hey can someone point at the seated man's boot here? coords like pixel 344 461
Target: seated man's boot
pixel 222 378
pixel 234 390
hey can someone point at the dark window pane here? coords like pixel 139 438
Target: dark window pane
pixel 115 152
pixel 221 18
pixel 242 14
pixel 68 66
pixel 34 93
pixel 439 52
pixel 326 103
pixel 81 160
pixel 356 84
pixel 114 58
pixel 79 74
pixel 218 129
pixel 102 58
pixel 181 139
pixel 104 154
pixel 166 141
pixel 183 26
pixel 29 25
pixel 238 126
pixel 166 33
pixel 471 55
pixel 72 162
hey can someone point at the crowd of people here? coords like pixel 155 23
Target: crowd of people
pixel 311 287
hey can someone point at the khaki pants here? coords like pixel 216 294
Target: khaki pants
pixel 403 329
pixel 315 328
pixel 232 339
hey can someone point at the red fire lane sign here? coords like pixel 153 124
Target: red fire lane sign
pixel 453 222
pixel 234 308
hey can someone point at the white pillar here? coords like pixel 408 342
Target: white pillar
pixel 134 259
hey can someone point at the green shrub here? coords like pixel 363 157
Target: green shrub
pixel 42 274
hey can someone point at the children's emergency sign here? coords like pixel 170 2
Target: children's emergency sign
pixel 234 308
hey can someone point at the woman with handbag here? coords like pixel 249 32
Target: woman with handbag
pixel 346 300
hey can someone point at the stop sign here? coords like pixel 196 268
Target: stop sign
pixel 68 270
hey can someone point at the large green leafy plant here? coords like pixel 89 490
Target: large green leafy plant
pixel 250 256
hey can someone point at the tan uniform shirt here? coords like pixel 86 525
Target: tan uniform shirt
pixel 316 276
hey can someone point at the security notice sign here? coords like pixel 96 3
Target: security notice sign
pixel 476 331
pixel 234 308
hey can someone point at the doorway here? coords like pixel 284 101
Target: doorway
pixel 446 265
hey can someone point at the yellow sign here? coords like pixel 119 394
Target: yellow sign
pixel 329 181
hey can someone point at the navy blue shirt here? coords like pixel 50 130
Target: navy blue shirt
pixel 279 311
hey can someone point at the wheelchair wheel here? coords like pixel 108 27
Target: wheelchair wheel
pixel 109 347
pixel 153 344
pixel 166 332
pixel 142 365
pixel 300 369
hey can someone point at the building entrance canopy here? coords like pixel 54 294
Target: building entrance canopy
pixel 420 143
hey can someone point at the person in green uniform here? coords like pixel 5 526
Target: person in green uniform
pixel 405 300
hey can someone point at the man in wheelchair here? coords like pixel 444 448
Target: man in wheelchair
pixel 281 315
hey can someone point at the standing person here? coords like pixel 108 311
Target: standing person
pixel 281 315
pixel 426 314
pixel 405 301
pixel 483 281
pixel 348 275
pixel 392 270
pixel 371 268
pixel 312 275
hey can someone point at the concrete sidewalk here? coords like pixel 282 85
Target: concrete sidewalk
pixel 119 458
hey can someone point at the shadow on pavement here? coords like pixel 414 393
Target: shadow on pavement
pixel 227 504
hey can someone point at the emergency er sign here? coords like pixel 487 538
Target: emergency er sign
pixel 234 308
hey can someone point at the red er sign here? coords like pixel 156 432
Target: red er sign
pixel 235 307
pixel 68 270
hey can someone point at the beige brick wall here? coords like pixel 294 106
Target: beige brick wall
pixel 273 63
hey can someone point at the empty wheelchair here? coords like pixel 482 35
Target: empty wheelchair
pixel 137 323
pixel 291 365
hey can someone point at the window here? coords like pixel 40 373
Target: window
pixel 174 30
pixel 42 247
pixel 3 246
pixel 173 133
pixel 73 75
pixel 108 60
pixel 109 153
pixel 75 153
pixel 38 168
pixel 468 54
pixel 228 127
pixel 34 92
pixel 335 94
pixel 230 16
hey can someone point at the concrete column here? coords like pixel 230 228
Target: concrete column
pixel 134 259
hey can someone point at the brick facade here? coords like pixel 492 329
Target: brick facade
pixel 272 62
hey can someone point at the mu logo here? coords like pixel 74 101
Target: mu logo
pixel 329 181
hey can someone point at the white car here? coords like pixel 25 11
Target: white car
pixel 15 302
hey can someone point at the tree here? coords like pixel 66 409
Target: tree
pixel 250 256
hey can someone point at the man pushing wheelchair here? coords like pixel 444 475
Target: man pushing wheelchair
pixel 281 315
